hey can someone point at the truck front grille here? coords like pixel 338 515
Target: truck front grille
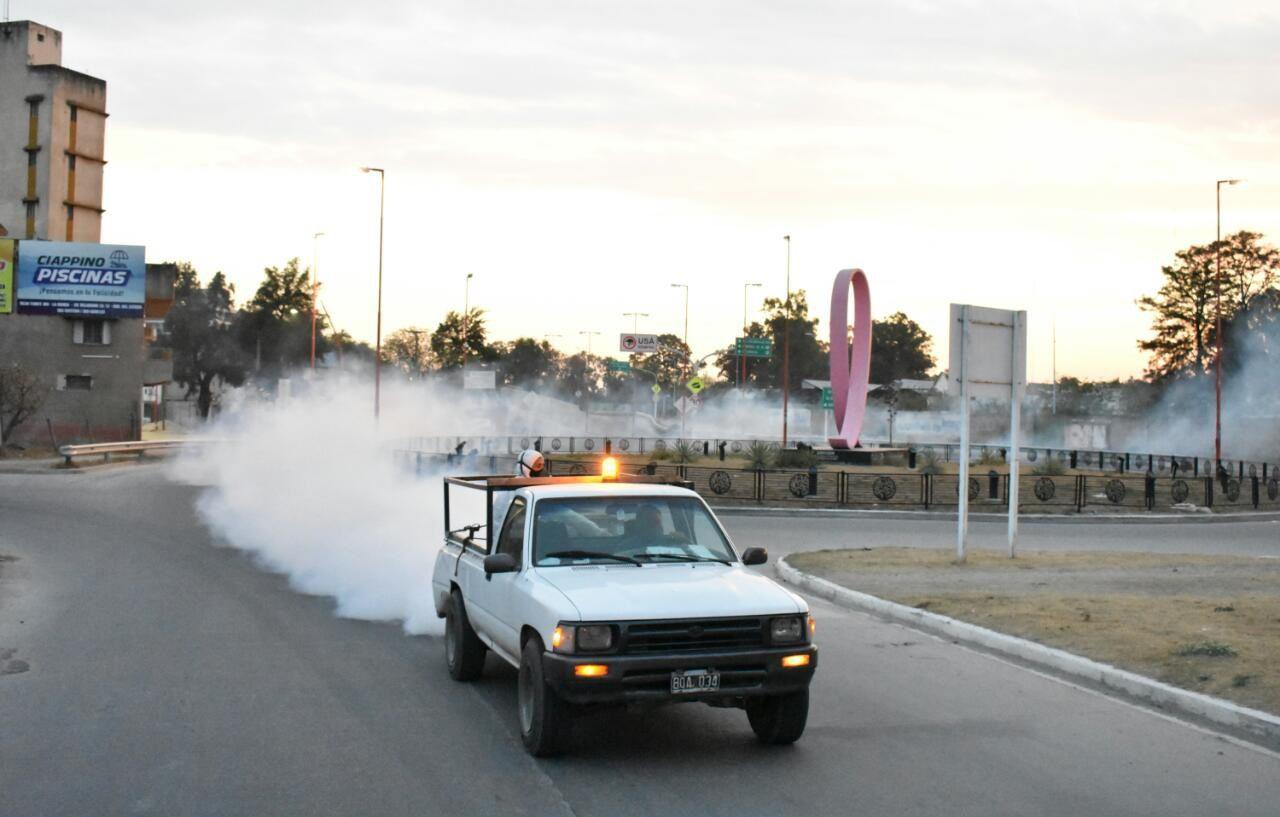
pixel 697 635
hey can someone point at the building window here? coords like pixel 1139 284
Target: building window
pixel 92 332
pixel 78 382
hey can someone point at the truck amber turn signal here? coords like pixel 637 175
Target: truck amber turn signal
pixel 594 670
pixel 801 660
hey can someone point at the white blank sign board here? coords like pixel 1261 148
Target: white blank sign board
pixel 997 355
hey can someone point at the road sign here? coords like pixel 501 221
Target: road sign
pixel 656 389
pixel 828 400
pixel 618 365
pixel 695 385
pixel 684 405
pixel 753 347
pixel 638 344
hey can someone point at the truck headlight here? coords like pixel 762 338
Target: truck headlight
pixel 787 630
pixel 594 637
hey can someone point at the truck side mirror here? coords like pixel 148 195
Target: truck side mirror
pixel 499 563
pixel 751 556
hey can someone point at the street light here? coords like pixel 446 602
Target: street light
pixel 1217 274
pixel 315 292
pixel 742 360
pixel 466 312
pixel 635 326
pixel 589 334
pixel 377 354
pixel 786 346
pixel 686 310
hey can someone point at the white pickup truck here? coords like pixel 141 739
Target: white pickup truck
pixel 612 591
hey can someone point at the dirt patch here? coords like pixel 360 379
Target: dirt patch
pixel 1205 623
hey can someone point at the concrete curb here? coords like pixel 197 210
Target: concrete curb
pixel 1137 518
pixel 1262 727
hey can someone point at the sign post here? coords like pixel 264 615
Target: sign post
pixel 988 358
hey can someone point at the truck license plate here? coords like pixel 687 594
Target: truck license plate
pixel 694 680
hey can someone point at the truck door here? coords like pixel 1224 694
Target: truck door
pixel 504 588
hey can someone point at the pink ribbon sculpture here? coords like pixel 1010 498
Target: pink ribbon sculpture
pixel 849 377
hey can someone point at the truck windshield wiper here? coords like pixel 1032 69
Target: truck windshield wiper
pixel 684 557
pixel 589 554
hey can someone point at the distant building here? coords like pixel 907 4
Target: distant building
pixel 52 135
pixel 90 336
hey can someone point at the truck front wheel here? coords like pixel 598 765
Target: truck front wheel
pixel 544 717
pixel 779 719
pixel 463 649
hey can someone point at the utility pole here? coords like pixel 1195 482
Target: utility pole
pixel 1217 369
pixel 786 346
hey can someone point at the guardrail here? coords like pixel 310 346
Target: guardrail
pixel 105 450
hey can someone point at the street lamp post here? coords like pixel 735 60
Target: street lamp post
pixel 315 293
pixel 377 353
pixel 1217 370
pixel 586 396
pixel 466 314
pixel 688 351
pixel 635 316
pixel 742 360
pixel 786 346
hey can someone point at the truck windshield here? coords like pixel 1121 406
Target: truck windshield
pixel 619 530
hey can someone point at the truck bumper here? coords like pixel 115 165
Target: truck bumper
pixel 634 678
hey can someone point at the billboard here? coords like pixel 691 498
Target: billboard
pixel 65 278
pixel 6 275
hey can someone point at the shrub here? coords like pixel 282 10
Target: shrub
pixel 797 458
pixel 1049 467
pixel 990 457
pixel 661 454
pixel 928 462
pixel 1212 649
pixel 761 455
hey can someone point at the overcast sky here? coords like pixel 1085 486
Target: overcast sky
pixel 579 157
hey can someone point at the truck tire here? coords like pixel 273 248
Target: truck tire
pixel 463 649
pixel 779 719
pixel 544 717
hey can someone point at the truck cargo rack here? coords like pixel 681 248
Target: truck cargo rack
pixel 495 483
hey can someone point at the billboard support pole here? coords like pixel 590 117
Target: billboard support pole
pixel 1015 424
pixel 962 486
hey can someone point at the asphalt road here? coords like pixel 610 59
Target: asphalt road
pixel 147 671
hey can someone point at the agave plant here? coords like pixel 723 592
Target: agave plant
pixel 761 455
pixel 928 462
pixel 686 451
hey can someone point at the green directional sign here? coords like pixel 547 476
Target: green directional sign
pixel 754 347
pixel 828 401
pixel 619 365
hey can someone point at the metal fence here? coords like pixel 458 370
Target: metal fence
pixel 1117 462
pixel 1071 493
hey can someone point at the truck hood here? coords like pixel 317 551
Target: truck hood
pixel 627 593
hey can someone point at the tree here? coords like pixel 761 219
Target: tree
pixel 275 326
pixel 409 350
pixel 1184 310
pixel 808 356
pixel 529 364
pixel 21 395
pixel 900 350
pixel 669 364
pixel 199 332
pixel 581 377
pixel 454 334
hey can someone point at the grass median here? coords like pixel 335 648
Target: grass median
pixel 1205 623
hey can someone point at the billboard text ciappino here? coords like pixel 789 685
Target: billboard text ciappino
pixel 64 278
